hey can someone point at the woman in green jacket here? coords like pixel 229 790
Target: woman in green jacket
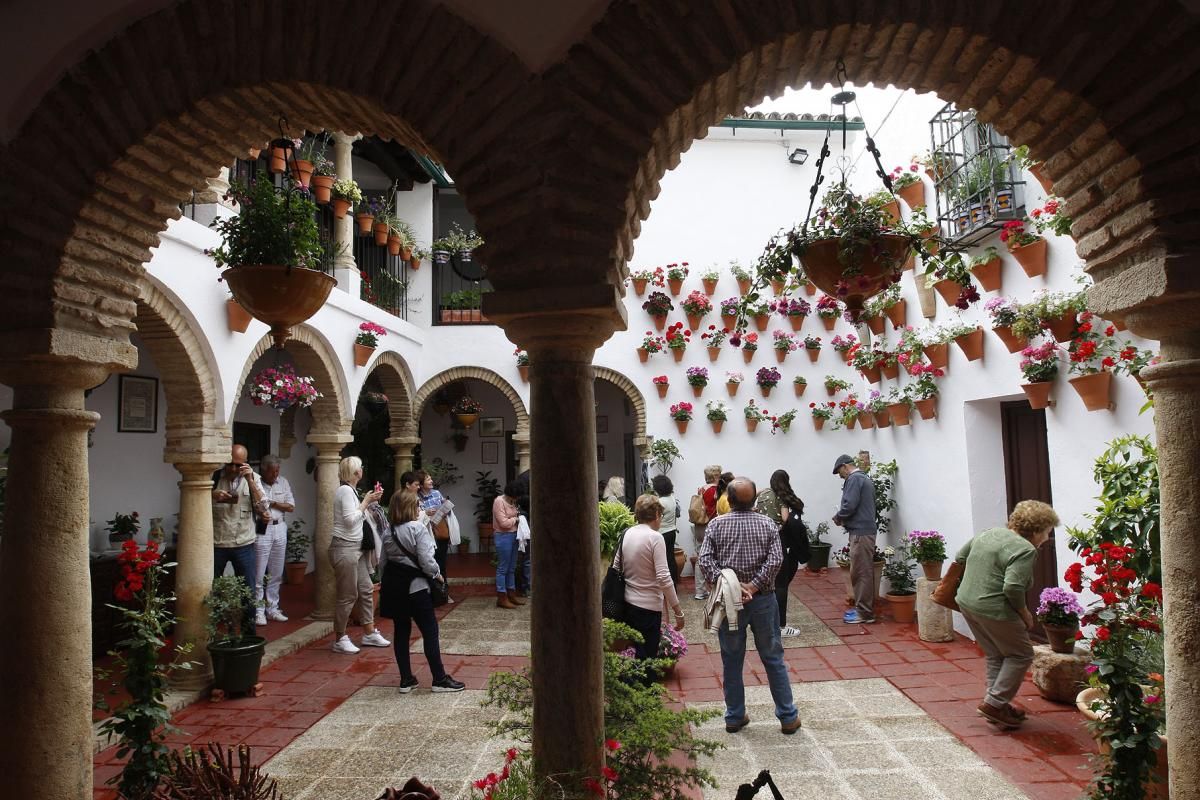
pixel 998 572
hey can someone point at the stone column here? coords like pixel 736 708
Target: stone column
pixel 521 443
pixel 344 267
pixel 565 631
pixel 329 453
pixel 210 203
pixel 194 575
pixel 402 447
pixel 1176 386
pixel 45 583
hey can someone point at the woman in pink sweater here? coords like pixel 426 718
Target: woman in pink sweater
pixel 504 535
pixel 643 561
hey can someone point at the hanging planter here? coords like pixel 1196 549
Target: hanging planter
pixel 762 321
pixel 639 286
pixel 897 313
pixel 830 323
pixel 1062 328
pixel 643 355
pixel 366 341
pixel 693 322
pixel 879 267
pixel 728 321
pixel 883 419
pixel 675 285
pixel 796 321
pixel 340 207
pixel 1038 171
pixel 302 172
pixel 818 423
pixel 280 296
pixel 523 371
pixel 717 425
pixel 748 355
pixel 927 407
pixel 281 388
pixel 710 286
pixel 322 188
pixel 237 317
pixel 382 231
pixel 1038 393
pixel 875 324
pixel 813 353
pixel 414 261
pixel 662 389
pixel 345 193
pixel 872 374
pixel 751 424
pixel 1031 257
pixel 900 413
pixel 362 354
pixel 682 425
pixel 971 344
pixel 890 370
pixel 743 285
pixel 365 221
pixel 466 411
pixel 949 291
pixel 800 388
pixel 938 354
pixel 913 195
pixel 660 322
pixel 395 242
pixel 866 420
pixel 1012 342
pixel 1093 390
pixel 677 352
pixel 989 273
pixel 777 287
pixel 810 288
pixel 732 387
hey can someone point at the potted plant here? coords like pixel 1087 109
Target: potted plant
pixel 833 385
pixel 799 384
pixel 709 278
pixel 1005 313
pixel 812 346
pixel 271 255
pixel 718 413
pixel 1039 367
pixel 678 338
pixel 682 414
pixel 615 519
pixel 878 406
pixel 908 186
pixel 828 309
pixel 345 193
pixel 295 564
pixel 948 274
pixel 1092 356
pixel 847 411
pixel 842 344
pixel 986 267
pixel 487 489
pixel 651 344
pixel 820 413
pixel 642 277
pixel 767 378
pixel 928 548
pixel 522 363
pixel 899 406
pixel 902 591
pixel 1027 247
pixel 795 310
pixel 753 415
pixel 309 152
pixel 783 343
pixel 661 383
pixel 323 179
pixel 236 317
pixel 466 410
pixel 122 527
pixel 818 551
pixel 867 361
pixel 281 388
pixel 729 312
pixel 783 422
pixel 663 454
pixel 676 274
pixel 366 342
pixel 696 305
pixel 733 380
pixel 236 654
pixel 1059 612
pixel 925 389
pixel 697 378
pixel 713 339
pixel 749 344
pixel 658 305
pixel 742 275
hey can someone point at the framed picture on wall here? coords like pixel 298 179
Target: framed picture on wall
pixel 491 427
pixel 599 452
pixel 601 424
pixel 490 452
pixel 137 404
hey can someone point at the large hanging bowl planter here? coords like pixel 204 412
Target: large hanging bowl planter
pixel 877 270
pixel 466 420
pixel 279 295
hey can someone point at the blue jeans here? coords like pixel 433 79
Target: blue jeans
pixel 762 615
pixel 243 559
pixel 506 556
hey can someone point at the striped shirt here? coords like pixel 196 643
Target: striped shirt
pixel 746 542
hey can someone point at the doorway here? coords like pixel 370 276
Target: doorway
pixel 1027 477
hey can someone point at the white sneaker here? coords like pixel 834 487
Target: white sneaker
pixel 700 596
pixel 275 615
pixel 260 618
pixel 344 645
pixel 374 639
pixel 788 630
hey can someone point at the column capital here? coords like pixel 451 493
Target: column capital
pixel 402 442
pixel 197 471
pixel 566 323
pixel 61 358
pixel 329 444
pixel 341 137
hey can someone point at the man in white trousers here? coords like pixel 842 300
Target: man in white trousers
pixel 271 546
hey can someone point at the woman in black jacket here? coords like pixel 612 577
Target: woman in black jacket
pixel 782 505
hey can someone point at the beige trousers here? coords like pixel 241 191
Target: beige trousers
pixel 1006 646
pixel 352 577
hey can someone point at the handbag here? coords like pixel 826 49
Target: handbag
pixel 612 590
pixel 697 515
pixel 943 595
pixel 441 529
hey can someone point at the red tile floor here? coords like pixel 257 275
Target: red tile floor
pixel 1046 759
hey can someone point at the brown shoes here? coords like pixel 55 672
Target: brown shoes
pixel 734 727
pixel 789 728
pixel 1004 717
pixel 515 599
pixel 502 601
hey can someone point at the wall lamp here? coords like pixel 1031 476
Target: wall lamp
pixel 798 156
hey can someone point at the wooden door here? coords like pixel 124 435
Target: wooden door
pixel 1027 477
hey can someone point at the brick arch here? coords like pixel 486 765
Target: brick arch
pixel 397 382
pixel 636 400
pixel 313 355
pixel 195 429
pixel 1078 95
pixel 445 378
pixel 104 160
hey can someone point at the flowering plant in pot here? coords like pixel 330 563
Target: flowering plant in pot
pixel 658 305
pixel 1039 367
pixel 642 277
pixel 986 267
pixel 784 343
pixel 902 591
pixel 792 307
pixel 122 527
pixel 661 383
pixel 697 378
pixel 812 343
pixel 732 381
pixel 924 389
pixel 717 413
pixel 651 344
pixel 345 194
pixel 928 548
pixel 466 410
pixel 236 652
pixel 754 415
pixel 522 357
pixel 696 305
pixel 799 383
pixel 833 385
pixel 1053 312
pixel 767 377
pixel 710 277
pixel 760 310
pixel 1092 356
pixel 677 338
pixel 367 339
pixel 828 309
pixel 676 274
pixel 295 562
pixel 822 411
pixel 949 274
pixel 906 183
pixel 742 275
pixel 783 422
pixel 1004 313
pixel 843 343
pixel 729 311
pixel 749 344
pixel 682 414
pixel 713 338
pixel 281 388
pixel 1059 612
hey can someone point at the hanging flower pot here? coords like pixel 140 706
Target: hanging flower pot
pixel 1062 328
pixel 362 354
pixel 710 286
pixel 872 374
pixel 1032 258
pixel 743 285
pixel 677 352
pixel 237 317
pixel 897 313
pixel 810 288
pixel 732 386
pixel 693 322
pixel 927 408
pixel 675 285
pixel 883 419
pixel 698 391
pixel 1038 171
pixel 381 233
pixel 523 371
pixel 900 413
pixel 395 242
pixel 278 161
pixel 322 188
pixel 777 287
pixel 441 257
pixel 971 344
pixel 866 420
pixel 876 325
pixel 949 291
pixel 818 423
pixel 850 423
pixel 406 252
pixel 639 286
pixel 1038 393
pixel 1093 389
pixel 796 321
pixel 892 209
pixel 829 322
pixel 414 261
pixel 662 389
pixel 761 321
pixel 340 207
pixel 281 388
pixel 938 354
pixel 766 391
pixel 365 221
pixel 713 353
pixel 681 424
pixel 728 321
pixel 891 370
pixel 748 355
pixel 660 323
pixel 800 388
pixel 913 195
pixel 751 425
pixel 989 274
pixel 781 355
pixel 278 295
pixel 302 171
pixel 466 420
pixel 717 425
pixel 643 355
pixel 1012 342
pixel 903 606
pixel 813 353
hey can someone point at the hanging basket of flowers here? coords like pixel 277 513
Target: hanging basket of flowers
pixel 281 388
pixel 466 411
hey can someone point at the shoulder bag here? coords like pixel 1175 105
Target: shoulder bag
pixel 697 515
pixel 439 594
pixel 943 595
pixel 612 590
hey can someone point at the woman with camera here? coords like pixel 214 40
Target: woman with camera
pixel 351 563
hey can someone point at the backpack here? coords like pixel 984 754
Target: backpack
pixel 696 513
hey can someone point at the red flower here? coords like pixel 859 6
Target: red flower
pixel 1103 633
pixel 511 755
pixel 609 774
pixel 1109 331
pixel 1078 634
pixel 593 787
pixel 1152 590
pixel 1109 598
pixel 612 745
pixel 480 784
pixel 1108 361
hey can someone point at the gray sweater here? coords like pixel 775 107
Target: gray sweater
pixel 857 511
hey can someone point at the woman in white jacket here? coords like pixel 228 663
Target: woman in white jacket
pixel 351 564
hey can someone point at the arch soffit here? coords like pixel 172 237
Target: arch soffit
pixel 313 356
pixel 446 377
pixel 630 391
pixel 397 382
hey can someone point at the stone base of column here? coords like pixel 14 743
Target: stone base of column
pixel 1059 676
pixel 934 623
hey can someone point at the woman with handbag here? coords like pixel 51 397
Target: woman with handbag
pixel 642 559
pixel 410 575
pixel 351 563
pixel 505 516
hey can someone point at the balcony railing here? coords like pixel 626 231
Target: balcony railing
pixel 458 299
pixel 384 277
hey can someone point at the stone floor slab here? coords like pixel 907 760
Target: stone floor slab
pixel 813 632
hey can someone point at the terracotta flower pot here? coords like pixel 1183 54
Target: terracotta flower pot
pixel 777 287
pixel 278 162
pixel 890 371
pixel 340 206
pixel 322 188
pixel 751 425
pixel 414 263
pixel 932 570
pixel 717 424
pixel 1062 328
pixel 675 285
pixel 394 244
pixel 381 233
pixel 850 423
pixel 938 354
pixel 927 408
pixel 913 195
pixel 709 287
pixel 1032 258
pixel 681 424
pixel 277 295
pixel 971 344
pixel 748 355
pixel 237 317
pixel 892 209
pixel 662 389
pixel 693 322
pixel 829 322
pixel 743 285
pixel 466 420
pixel 713 353
pixel 406 252
pixel 766 390
pixel 883 419
pixel 1038 393
pixel 796 321
pixel 660 323
pixel 294 572
pixel 639 286
pixel 302 171
pixel 362 354
pixel 1038 171
pixel 781 355
pixel 677 352
pixel 903 606
pixel 800 388
pixel 523 371
pixel 897 313
pixel 876 325
pixel 810 288
pixel 813 353
pixel 697 390
pixel 761 321
pixel 1093 390
pixel 643 355
pixel 728 321
pixel 866 420
pixel 732 387
pixel 989 274
pixel 818 422
pixel 831 391
pixel 365 221
pixel 1012 342
pixel 949 291
pixel 872 374
pixel 900 413
pixel 1061 638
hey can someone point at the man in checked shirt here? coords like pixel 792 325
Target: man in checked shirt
pixel 748 543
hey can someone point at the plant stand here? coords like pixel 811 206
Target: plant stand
pixel 220 695
pixel 1058 675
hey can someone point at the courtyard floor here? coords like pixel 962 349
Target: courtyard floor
pixel 885 715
